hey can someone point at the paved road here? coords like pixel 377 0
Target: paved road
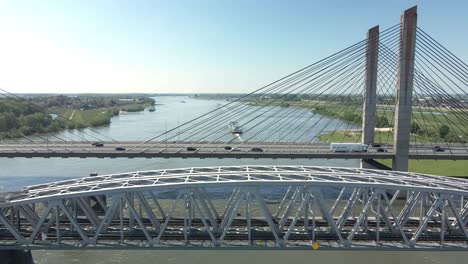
pixel 213 150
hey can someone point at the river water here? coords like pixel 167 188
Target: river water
pixel 171 111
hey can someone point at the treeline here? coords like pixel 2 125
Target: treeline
pixel 427 101
pixel 442 132
pixel 435 133
pixel 43 114
pixel 20 117
pixel 89 102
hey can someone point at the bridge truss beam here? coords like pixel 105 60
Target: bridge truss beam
pixel 242 207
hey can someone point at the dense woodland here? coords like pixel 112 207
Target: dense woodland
pixel 43 114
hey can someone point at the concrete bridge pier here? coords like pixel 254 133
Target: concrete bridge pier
pixel 404 98
pixel 16 256
pixel 370 93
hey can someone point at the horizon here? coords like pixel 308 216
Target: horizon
pixel 190 47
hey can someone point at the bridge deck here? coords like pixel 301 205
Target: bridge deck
pixel 216 150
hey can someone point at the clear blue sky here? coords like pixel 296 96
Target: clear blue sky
pixel 192 46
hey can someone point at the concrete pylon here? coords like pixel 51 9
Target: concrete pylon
pixel 404 99
pixel 370 91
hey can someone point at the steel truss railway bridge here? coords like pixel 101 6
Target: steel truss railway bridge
pixel 240 207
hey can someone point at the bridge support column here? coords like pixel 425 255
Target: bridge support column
pixel 16 256
pixel 370 90
pixel 404 98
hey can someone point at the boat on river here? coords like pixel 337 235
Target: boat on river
pixel 235 128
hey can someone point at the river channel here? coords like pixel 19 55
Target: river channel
pixel 171 111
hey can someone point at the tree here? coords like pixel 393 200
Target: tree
pixel 381 121
pixel 453 138
pixel 443 131
pixel 415 128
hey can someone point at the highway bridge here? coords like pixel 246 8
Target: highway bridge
pixel 174 149
pixel 240 207
pixel 398 87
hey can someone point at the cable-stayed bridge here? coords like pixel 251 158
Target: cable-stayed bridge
pixel 398 89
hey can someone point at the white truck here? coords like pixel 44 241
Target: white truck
pixel 348 147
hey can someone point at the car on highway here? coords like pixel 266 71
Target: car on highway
pixel 98 144
pixel 376 145
pixel 231 148
pixel 438 149
pixel 381 150
pixel 191 149
pixel 120 148
pixel 256 149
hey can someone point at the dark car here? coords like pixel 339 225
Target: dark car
pixel 120 148
pixel 381 150
pixel 191 149
pixel 256 150
pixel 438 149
pixel 376 145
pixel 227 147
pixel 98 144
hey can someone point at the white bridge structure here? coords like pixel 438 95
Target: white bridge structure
pixel 240 207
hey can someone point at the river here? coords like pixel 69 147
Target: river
pixel 171 111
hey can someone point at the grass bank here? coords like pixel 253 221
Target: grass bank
pixel 76 118
pixel 427 122
pixel 354 136
pixel 457 168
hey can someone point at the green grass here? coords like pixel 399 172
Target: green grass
pixel 457 168
pixel 351 113
pixel 354 136
pixel 429 122
pixel 94 117
pixel 133 107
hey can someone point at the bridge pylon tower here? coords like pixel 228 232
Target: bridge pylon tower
pixel 370 90
pixel 404 98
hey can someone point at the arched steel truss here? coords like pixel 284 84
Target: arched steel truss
pixel 240 206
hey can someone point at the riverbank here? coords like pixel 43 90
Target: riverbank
pixel 31 115
pixel 83 118
pixel 429 124
pixel 350 113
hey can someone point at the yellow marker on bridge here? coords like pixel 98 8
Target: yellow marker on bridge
pixel 315 246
